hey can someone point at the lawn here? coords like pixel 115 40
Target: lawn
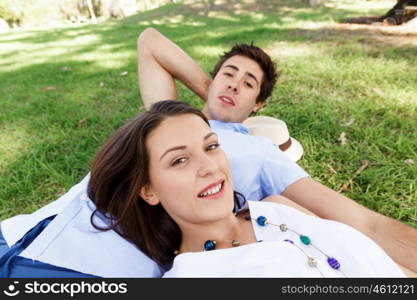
pixel 64 90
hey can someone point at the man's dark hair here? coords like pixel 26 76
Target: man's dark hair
pixel 270 72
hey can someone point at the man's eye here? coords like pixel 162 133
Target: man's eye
pixel 213 146
pixel 249 84
pixel 179 161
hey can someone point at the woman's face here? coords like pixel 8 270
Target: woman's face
pixel 189 173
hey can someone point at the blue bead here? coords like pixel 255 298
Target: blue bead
pixel 333 263
pixel 209 245
pixel 261 220
pixel 289 241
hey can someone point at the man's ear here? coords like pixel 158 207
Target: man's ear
pixel 258 106
pixel 148 195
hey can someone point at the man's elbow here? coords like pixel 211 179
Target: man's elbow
pixel 146 38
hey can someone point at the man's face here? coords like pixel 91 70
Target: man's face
pixel 233 92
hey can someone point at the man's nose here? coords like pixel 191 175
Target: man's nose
pixel 233 85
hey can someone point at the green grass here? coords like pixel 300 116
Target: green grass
pixel 330 76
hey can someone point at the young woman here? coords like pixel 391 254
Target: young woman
pixel 167 185
pixel 162 199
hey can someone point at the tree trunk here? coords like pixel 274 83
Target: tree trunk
pixel 398 15
pixel 91 11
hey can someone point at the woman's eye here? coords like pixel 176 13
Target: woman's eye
pixel 228 74
pixel 179 161
pixel 213 146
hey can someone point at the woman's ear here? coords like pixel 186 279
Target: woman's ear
pixel 148 195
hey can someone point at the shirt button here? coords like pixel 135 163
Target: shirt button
pixel 83 197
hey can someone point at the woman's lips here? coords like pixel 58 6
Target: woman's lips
pixel 212 191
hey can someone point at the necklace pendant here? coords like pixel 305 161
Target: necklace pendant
pixel 209 245
pixel 261 220
pixel 333 262
pixel 283 227
pixel 235 243
pixel 312 262
pixel 305 240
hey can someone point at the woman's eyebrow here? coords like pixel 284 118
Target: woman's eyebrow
pixel 209 135
pixel 173 149
pixel 182 147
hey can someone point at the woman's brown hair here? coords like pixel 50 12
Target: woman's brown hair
pixel 120 169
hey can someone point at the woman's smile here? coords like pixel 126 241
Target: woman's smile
pixel 213 191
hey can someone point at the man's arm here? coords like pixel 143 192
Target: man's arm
pixel 160 61
pixel 397 239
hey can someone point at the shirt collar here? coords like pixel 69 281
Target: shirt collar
pixel 237 127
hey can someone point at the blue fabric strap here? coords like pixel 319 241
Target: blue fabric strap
pixel 7 259
pixel 12 265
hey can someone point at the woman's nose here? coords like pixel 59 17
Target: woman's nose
pixel 207 166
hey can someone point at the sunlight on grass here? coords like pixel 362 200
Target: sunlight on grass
pixel 223 16
pixel 362 6
pixel 13 141
pixel 5 37
pixel 108 59
pixel 105 55
pixel 257 16
pixel 402 96
pixel 208 50
pixel 282 50
pixel 172 20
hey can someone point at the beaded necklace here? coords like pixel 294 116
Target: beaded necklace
pixel 312 262
pixel 262 221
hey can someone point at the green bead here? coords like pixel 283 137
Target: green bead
pixel 305 240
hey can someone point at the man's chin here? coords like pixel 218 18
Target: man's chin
pixel 226 119
pixel 221 116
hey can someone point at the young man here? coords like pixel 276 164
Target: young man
pixel 242 80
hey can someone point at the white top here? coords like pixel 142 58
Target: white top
pixel 70 241
pixel 358 255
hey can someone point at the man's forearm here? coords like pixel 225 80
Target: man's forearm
pixel 160 61
pixel 398 240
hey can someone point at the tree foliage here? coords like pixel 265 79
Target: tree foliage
pixel 40 12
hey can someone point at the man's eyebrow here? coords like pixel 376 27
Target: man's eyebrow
pixel 182 147
pixel 247 73
pixel 232 66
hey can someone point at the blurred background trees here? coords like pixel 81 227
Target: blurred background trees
pixel 15 13
pixel 402 12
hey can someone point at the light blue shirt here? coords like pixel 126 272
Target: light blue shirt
pixel 259 169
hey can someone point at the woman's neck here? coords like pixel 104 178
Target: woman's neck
pixel 223 232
